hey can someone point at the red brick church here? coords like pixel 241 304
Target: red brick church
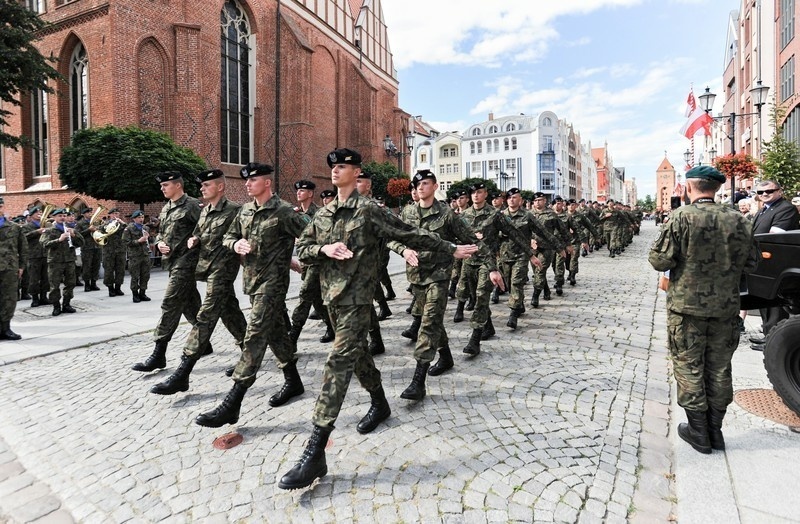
pixel 275 81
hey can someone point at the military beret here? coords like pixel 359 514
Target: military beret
pixel 705 172
pixel 423 174
pixel 477 185
pixel 34 210
pixel 411 186
pixel 344 156
pixel 571 201
pixel 305 184
pixel 169 176
pixel 209 174
pixel 379 198
pixel 87 210
pixel 513 191
pixel 494 194
pixel 462 192
pixel 539 194
pixel 19 219
pixel 365 175
pixel 582 200
pixel 557 198
pixel 328 193
pixel 59 211
pixel 252 169
pixel 113 210
pixel 137 213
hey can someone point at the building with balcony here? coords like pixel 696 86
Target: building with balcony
pixel 448 160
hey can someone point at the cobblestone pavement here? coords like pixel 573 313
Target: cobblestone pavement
pixel 554 422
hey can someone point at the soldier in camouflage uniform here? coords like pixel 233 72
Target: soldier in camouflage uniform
pixel 705 247
pixel 612 222
pixel 13 257
pixel 462 203
pixel 177 220
pixel 114 256
pixel 59 242
pixel 580 238
pixel 310 290
pixel 91 253
pixel 135 238
pixel 218 267
pixel 561 262
pixel 263 233
pixel 344 239
pixel 37 259
pixel 546 251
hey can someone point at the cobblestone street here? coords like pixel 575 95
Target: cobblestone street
pixel 549 423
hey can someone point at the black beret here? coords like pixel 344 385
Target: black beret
pixel 35 209
pixel 113 210
pixel 328 193
pixel 539 194
pixel 379 198
pixel 423 174
pixel 571 201
pixel 209 174
pixel 705 172
pixel 305 184
pixel 255 169
pixel 365 174
pixel 462 192
pixel 169 176
pixel 477 185
pixel 344 156
pixel 87 210
pixel 411 186
pixel 557 198
pixel 513 191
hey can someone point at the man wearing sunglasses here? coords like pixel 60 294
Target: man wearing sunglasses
pixel 777 215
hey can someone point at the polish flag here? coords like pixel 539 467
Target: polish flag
pixel 698 121
pixel 691 104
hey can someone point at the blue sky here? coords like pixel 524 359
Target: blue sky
pixel 619 70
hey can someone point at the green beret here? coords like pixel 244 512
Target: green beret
pixel 705 172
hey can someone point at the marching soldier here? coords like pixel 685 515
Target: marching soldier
pixel 59 242
pixel 136 237
pixel 461 204
pixel 91 253
pixel 39 286
pixel 612 226
pixel 545 251
pixel 580 238
pixel 114 254
pixel 13 257
pixel 178 219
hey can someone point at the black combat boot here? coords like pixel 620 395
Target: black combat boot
pixel 330 334
pixel 459 316
pixel 451 293
pixel 136 297
pixel 535 298
pixel 412 331
pixel 410 307
pixel 157 360
pixel 488 330
pixel 111 291
pixel 35 301
pixel 572 278
pixel 444 363
pixel 559 288
pixel 94 287
pixel 390 294
pixel 612 253
pixel 314 315
pixel 495 295
pixel 312 465
pixel 118 291
pixel 178 381
pixel 6 333
pixel 66 308
pixel 379 411
pixel 143 297
pixel 470 303
pixel 383 311
pixel 546 294
pixel 696 431
pixel 87 287
pixel 376 346
pixel 512 318
pixel 294 333
pixel 416 390
pixel 225 413
pixel 78 281
pixel 56 309
pixel 292 386
pixel 43 300
pixel 473 347
pixel 229 371
pixel 207 349
pixel 715 417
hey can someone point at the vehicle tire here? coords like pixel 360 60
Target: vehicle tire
pixel 782 361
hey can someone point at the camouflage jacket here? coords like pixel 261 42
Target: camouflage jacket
pixel 177 222
pixel 436 266
pixel 493 228
pixel 88 241
pixel 611 218
pixel 32 234
pixel 585 227
pixel 214 223
pixel 705 247
pixel 114 243
pixel 270 229
pixel 362 225
pixel 130 237
pixel 58 251
pixel 529 225
pixel 13 246
pixel 553 224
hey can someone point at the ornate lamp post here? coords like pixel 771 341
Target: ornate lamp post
pixel 392 151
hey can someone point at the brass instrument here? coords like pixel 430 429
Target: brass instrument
pixel 101 237
pixel 48 209
pixel 95 220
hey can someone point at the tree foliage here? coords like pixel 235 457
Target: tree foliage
pixel 119 163
pixel 381 173
pixel 646 204
pixel 23 69
pixel 781 157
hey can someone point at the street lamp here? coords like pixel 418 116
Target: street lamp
pixel 502 177
pixel 392 151
pixel 759 97
pixel 687 156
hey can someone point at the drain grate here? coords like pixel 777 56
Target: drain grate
pixel 767 404
pixel 228 441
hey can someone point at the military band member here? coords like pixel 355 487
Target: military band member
pixel 91 253
pixel 136 237
pixel 344 239
pixel 177 220
pixel 114 252
pixel 39 285
pixel 13 258
pixel 59 242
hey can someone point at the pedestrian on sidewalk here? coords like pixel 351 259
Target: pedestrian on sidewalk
pixel 705 246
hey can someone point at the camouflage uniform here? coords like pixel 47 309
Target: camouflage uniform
pixel 13 257
pixel 271 230
pixel 37 261
pixel 60 262
pixel 560 263
pixel 705 247
pixel 138 257
pixel 177 222
pixel 114 258
pixel 584 231
pixel 91 253
pixel 310 290
pixel 545 250
pixel 348 287
pixel 612 224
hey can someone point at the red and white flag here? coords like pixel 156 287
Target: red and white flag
pixel 691 104
pixel 698 121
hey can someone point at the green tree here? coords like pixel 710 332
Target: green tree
pixel 381 173
pixel 781 157
pixel 23 69
pixel 120 163
pixel 646 204
pixel 526 194
pixel 467 183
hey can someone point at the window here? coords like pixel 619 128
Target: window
pixel 505 144
pixel 511 164
pixel 547 122
pixel 496 145
pixel 441 169
pixel 37 6
pixel 475 168
pixel 472 148
pixel 492 129
pixel 786 22
pixel 488 146
pixel 493 166
pixel 423 158
pixel 476 132
pixel 79 89
pixel 547 144
pixel 480 147
pixel 39 132
pixel 787 79
pixel 449 169
pixel 511 127
pixel 236 118
pixel 513 143
pixel 449 151
pixel 455 170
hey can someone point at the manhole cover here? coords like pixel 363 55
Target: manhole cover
pixel 767 404
pixel 228 441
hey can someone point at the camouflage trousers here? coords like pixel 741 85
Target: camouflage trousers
pixel 515 275
pixel 349 354
pixel 92 259
pixel 613 237
pixel 180 298
pixel 455 274
pixel 432 335
pixel 139 268
pixel 545 256
pixel 559 267
pixel 310 294
pixel 220 302
pixel 59 274
pixel 573 259
pixel 114 268
pixel 37 271
pixel 9 282
pixel 701 349
pixel 24 282
pixel 265 328
pixel 476 278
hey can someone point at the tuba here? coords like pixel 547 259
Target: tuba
pixel 48 209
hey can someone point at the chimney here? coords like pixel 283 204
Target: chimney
pixel 491 116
